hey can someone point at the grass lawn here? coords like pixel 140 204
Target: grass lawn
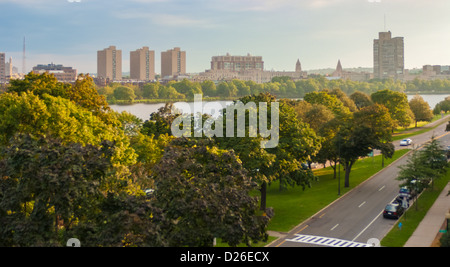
pixel 397 237
pixel 293 206
pixel 405 133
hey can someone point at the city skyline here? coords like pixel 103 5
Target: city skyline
pixel 318 32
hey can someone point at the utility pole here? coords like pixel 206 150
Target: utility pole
pixel 24 57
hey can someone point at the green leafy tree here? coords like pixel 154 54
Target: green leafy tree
pixel 209 88
pixel 124 93
pixel 204 193
pixel 421 109
pixel 48 186
pixel 39 84
pixel 361 99
pixel 353 141
pixel 330 101
pixel 397 104
pixel 59 118
pixel 435 158
pixel 227 89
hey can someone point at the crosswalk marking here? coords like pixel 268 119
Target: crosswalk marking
pixel 327 241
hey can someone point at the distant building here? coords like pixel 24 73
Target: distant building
pixel 109 64
pixel 9 69
pixel 142 64
pixel 61 73
pixel 246 68
pixel 340 73
pixel 2 68
pixel 389 56
pixel 430 72
pixel 173 63
pixel 237 63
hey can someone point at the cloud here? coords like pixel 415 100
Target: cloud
pixel 170 20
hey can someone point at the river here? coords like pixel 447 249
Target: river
pixel 143 111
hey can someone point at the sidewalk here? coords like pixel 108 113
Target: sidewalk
pixel 428 229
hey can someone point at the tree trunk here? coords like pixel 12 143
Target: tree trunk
pixel 348 169
pixel 263 196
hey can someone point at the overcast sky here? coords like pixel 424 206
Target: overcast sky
pixel 318 32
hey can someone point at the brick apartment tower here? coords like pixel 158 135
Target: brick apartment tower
pixel 173 62
pixel 2 68
pixel 142 64
pixel 109 64
pixel 389 56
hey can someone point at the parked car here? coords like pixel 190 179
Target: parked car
pixel 447 152
pixel 405 192
pixel 400 199
pixel 406 142
pixel 393 211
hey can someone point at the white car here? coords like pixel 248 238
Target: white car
pixel 406 142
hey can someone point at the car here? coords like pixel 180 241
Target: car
pixel 406 142
pixel 447 152
pixel 393 211
pixel 405 192
pixel 149 192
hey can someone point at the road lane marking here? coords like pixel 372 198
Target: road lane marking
pixel 381 189
pixel 369 224
pixel 362 204
pixel 332 229
pixel 326 241
pixel 302 229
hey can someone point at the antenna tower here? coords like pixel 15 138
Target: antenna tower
pixel 24 57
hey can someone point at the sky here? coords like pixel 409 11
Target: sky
pixel 317 32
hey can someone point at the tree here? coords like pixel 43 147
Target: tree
pixel 160 122
pixel 377 118
pixel 435 159
pixel 227 89
pixel 361 99
pixel 150 90
pixel 204 193
pixel 330 101
pixel 397 104
pixel 415 174
pixel 354 141
pixel 39 84
pixel 47 186
pixel 209 88
pixel 124 93
pixel 421 109
pixel 187 88
pixel 60 118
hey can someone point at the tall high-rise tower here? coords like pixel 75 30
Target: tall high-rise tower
pixel 142 64
pixel 2 68
pixel 389 56
pixel 109 64
pixel 173 62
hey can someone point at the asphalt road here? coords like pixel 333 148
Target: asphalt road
pixel 356 218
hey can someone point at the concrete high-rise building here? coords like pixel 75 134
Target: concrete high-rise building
pixel 2 68
pixel 142 64
pixel 389 56
pixel 9 68
pixel 109 64
pixel 173 62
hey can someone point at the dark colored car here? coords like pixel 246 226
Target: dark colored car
pixel 393 211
